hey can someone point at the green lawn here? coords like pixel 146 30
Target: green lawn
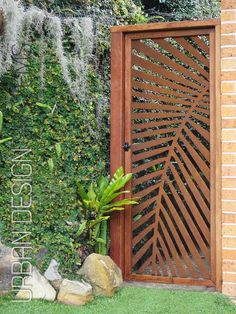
pixel 132 301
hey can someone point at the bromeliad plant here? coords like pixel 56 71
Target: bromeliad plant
pixel 96 205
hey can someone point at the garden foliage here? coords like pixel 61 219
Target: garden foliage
pixel 96 205
pixel 69 141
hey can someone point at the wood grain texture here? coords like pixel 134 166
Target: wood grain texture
pixel 166 25
pixel 117 140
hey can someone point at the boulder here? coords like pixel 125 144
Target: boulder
pixel 7 257
pixel 52 274
pixel 38 285
pixel 102 273
pixel 74 292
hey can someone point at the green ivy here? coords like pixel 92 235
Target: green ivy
pixel 60 133
pixel 63 149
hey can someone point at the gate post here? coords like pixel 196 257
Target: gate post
pixel 228 102
pixel 117 138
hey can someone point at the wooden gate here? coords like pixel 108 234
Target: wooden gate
pixel 164 130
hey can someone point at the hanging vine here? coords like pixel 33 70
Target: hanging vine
pixel 20 23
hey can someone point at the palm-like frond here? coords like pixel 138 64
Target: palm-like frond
pixel 171 156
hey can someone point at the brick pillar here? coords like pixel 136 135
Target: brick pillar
pixel 228 103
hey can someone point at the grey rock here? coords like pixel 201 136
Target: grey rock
pixel 52 273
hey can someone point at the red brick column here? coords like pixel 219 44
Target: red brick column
pixel 228 103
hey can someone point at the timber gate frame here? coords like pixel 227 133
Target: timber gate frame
pixel 120 225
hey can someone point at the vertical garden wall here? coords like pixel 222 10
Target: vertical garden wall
pixel 63 125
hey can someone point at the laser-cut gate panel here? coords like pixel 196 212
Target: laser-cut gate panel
pixel 170 121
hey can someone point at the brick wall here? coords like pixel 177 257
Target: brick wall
pixel 228 103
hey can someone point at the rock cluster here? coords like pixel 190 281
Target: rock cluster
pixel 101 276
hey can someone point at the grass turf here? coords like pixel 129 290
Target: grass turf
pixel 131 300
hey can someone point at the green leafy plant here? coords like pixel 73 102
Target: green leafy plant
pixel 97 203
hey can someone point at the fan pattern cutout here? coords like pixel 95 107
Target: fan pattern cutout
pixel 171 157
